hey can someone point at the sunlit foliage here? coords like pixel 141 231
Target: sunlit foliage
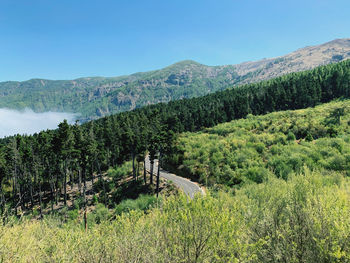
pixel 305 218
pixel 279 144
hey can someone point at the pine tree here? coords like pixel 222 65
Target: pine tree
pixel 65 141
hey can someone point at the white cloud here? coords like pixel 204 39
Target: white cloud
pixel 28 122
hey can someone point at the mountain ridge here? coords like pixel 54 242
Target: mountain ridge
pixel 95 97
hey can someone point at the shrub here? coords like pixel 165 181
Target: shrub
pixel 99 215
pixel 291 136
pixel 257 174
pixel 143 203
pixel 309 137
pixel 260 147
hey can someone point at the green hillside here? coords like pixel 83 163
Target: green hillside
pixel 96 97
pixel 54 160
pixel 277 144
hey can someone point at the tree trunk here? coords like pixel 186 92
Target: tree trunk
pixel 151 172
pixel 92 174
pixel 158 173
pixel 65 184
pixel 3 209
pixel 103 182
pixel 52 193
pixel 14 190
pixel 99 171
pixel 79 180
pixel 40 201
pixel 144 171
pixel 133 166
pixel 23 204
pixel 85 209
pixel 56 190
pixel 20 202
pixel 108 157
pixel 2 202
pixel 113 161
pixel 84 178
pixel 71 180
pixel 85 218
pixel 31 195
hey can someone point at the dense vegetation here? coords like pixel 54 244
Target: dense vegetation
pixel 287 172
pixel 279 144
pixel 305 218
pixel 49 161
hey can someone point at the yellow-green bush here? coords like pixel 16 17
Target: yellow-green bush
pixel 280 143
pixel 305 218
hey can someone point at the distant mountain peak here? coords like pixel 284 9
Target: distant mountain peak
pixel 185 63
pixel 339 41
pixel 98 96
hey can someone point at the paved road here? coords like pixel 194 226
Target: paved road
pixel 190 188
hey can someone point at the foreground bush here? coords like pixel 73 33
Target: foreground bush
pixel 303 219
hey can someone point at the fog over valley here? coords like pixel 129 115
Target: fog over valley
pixel 28 122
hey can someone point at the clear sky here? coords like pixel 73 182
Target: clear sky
pixel 66 39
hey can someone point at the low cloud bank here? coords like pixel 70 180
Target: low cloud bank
pixel 28 122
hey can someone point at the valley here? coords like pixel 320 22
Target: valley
pixel 174 131
pixel 273 157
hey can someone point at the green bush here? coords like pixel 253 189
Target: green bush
pixel 99 215
pixel 73 214
pixel 257 174
pixel 119 172
pixel 143 202
pixel 309 137
pixel 291 136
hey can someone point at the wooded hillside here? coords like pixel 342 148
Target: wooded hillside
pixel 50 160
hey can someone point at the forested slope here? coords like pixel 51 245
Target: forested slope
pixel 50 160
pixel 277 144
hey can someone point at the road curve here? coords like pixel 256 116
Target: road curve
pixel 187 186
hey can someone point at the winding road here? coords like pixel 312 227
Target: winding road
pixel 187 186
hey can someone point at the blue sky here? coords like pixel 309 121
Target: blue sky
pixel 66 39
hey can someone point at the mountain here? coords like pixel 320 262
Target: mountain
pixel 98 96
pixel 300 60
